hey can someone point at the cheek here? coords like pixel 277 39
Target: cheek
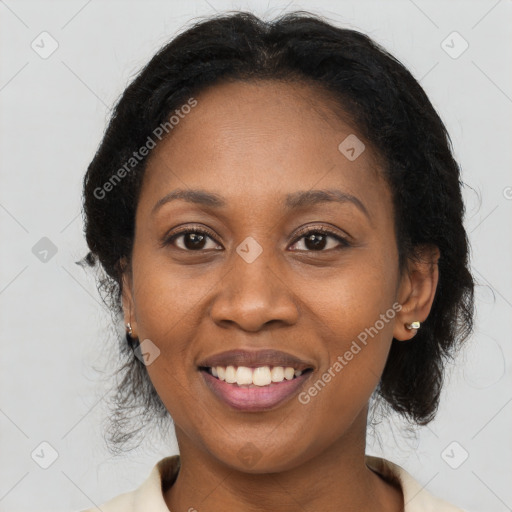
pixel 353 312
pixel 353 296
pixel 165 295
pixel 164 309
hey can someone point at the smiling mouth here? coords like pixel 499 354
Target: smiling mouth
pixel 246 377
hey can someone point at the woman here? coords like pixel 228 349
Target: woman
pixel 279 216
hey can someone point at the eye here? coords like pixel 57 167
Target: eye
pixel 316 239
pixel 191 240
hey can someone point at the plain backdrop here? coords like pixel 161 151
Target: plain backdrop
pixel 53 328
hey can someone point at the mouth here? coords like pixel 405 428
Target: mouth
pixel 258 389
pixel 249 380
pixel 244 376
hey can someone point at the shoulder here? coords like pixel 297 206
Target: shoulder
pixel 149 495
pixel 416 497
pixel 123 502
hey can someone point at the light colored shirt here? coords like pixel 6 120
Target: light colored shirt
pixel 148 497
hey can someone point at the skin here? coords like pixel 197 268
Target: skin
pixel 254 143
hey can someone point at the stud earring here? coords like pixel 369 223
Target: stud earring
pixel 129 329
pixel 413 325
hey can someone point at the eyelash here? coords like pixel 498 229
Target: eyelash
pixel 301 234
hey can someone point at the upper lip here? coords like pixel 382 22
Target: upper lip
pixel 255 359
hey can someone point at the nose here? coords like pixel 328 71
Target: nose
pixel 252 295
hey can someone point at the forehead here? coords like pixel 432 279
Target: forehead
pixel 264 138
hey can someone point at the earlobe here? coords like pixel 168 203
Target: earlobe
pixel 127 302
pixel 417 291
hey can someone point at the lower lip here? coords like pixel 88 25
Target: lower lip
pixel 254 398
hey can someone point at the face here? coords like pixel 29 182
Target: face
pixel 266 264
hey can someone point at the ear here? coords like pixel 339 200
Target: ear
pixel 127 296
pixel 417 290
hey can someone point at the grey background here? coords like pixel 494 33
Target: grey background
pixel 54 331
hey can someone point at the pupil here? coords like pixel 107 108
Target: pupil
pixel 318 241
pixel 195 237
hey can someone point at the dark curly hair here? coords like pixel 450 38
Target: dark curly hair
pixel 388 107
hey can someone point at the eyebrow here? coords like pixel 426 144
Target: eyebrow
pixel 295 200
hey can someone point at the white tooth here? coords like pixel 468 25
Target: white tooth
pixel 243 375
pixel 221 372
pixel 298 373
pixel 230 374
pixel 261 376
pixel 289 372
pixel 277 374
pixel 214 371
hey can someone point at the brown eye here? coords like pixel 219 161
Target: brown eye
pixel 318 240
pixel 192 240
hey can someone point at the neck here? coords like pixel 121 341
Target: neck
pixel 336 479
